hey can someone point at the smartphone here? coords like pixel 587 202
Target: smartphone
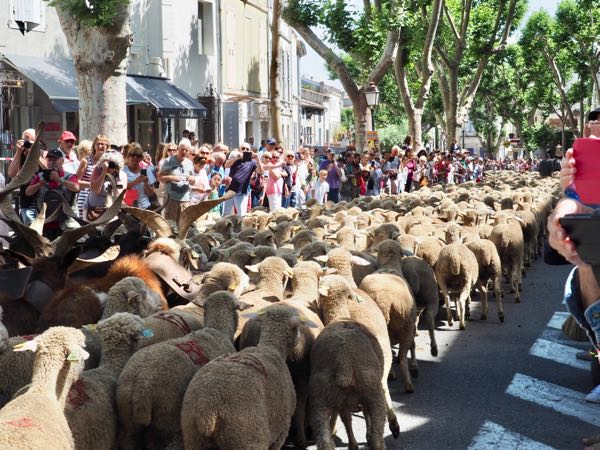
pixel 582 229
pixel 586 152
pixel 144 172
pixel 247 156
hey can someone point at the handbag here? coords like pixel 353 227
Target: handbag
pixel 94 213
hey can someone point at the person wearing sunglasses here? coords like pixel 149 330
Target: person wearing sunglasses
pixel 241 166
pixel 86 168
pixel 139 180
pixel 178 175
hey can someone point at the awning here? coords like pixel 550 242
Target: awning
pixel 56 77
pixel 168 99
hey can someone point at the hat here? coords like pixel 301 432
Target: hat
pixel 67 136
pixel 56 153
pixel 594 115
pixel 271 141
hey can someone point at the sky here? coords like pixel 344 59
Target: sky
pixel 313 66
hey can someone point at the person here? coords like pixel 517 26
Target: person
pixel 320 187
pixel 333 176
pixel 548 166
pixel 27 205
pixel 299 187
pixel 411 166
pixel 108 169
pixel 66 144
pixel 87 164
pixel 4 228
pixel 391 167
pixel 52 186
pixel 289 195
pixel 139 180
pixel 241 166
pixel 454 147
pixel 215 184
pixel 348 186
pixel 258 183
pixel 178 174
pixel 275 182
pixel 201 187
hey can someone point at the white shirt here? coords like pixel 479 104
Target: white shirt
pixel 320 189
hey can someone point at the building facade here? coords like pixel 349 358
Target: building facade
pixel 321 113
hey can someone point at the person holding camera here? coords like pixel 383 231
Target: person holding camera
pixel 139 180
pixel 53 186
pixel 334 173
pixel 241 167
pixel 107 174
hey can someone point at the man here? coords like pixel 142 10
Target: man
pixel 333 176
pixel 391 167
pixel 270 145
pixel 289 195
pixel 348 188
pixel 178 175
pixel 50 187
pixel 65 145
pixel 454 147
pixel 300 183
pixel 241 167
pixel 547 166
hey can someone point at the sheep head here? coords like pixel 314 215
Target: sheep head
pixel 122 330
pixel 132 295
pixel 223 277
pixel 273 267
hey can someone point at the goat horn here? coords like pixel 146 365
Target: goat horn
pixel 62 244
pixel 31 165
pixel 190 214
pixel 7 208
pixel 155 221
pixel 109 254
pixel 38 223
pixel 40 244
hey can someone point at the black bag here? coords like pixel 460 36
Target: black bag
pixel 54 199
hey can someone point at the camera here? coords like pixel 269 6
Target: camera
pixel 112 165
pixel 46 174
pixel 27 144
pixel 144 172
pixel 247 156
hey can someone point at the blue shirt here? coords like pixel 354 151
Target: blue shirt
pixel 143 200
pixel 588 318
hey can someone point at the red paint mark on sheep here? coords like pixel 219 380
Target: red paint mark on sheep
pixel 250 361
pixel 176 320
pixel 78 395
pixel 194 351
pixel 22 422
pixel 29 337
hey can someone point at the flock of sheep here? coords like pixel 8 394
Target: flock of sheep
pixel 292 321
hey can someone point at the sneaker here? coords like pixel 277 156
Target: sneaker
pixel 594 396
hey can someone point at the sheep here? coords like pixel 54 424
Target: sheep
pixel 91 408
pixel 395 299
pixel 490 269
pixel 457 272
pixel 346 371
pixel 360 271
pixel 428 249
pixel 381 233
pixel 303 238
pixel 335 303
pixel 131 295
pixel 507 236
pixel 314 249
pixel 420 278
pixel 245 400
pixel 36 419
pixel 149 397
pixel 181 320
pixel 305 283
pixel 265 237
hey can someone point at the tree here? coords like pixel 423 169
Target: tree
pixel 370 39
pixel 99 37
pixel 274 73
pixel 471 33
pixel 415 48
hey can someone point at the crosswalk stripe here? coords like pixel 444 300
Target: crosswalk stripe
pixel 492 436
pixel 557 320
pixel 558 398
pixel 562 354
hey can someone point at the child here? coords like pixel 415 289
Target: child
pixel 215 182
pixel 201 187
pixel 321 187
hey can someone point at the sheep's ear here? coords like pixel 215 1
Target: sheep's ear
pixel 322 258
pixel 77 355
pixel 146 333
pixel 250 315
pixel 358 261
pixel 28 345
pixel 395 235
pixel 324 289
pixel 289 273
pixel 357 298
pixel 252 254
pixel 253 268
pixel 90 327
pixel 232 286
pixel 307 322
pixel 132 297
pixel 241 306
pixel 272 225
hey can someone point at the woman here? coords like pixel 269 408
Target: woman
pixel 274 186
pixel 139 179
pixel 108 168
pixel 411 166
pixel 86 167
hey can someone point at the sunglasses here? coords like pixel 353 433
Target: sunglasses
pixel 172 150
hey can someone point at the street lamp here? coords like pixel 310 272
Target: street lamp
pixel 372 96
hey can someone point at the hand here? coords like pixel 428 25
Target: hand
pixel 567 170
pixel 54 176
pixel 557 237
pixel 141 179
pixel 105 166
pixel 226 181
pixel 191 179
pixel 20 145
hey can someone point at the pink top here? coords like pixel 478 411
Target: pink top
pixel 274 184
pixel 201 184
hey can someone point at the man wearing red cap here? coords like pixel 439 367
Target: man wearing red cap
pixel 65 144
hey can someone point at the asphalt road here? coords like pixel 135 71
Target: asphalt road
pixel 514 385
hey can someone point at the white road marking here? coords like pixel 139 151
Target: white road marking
pixel 492 436
pixel 558 398
pixel 557 320
pixel 557 352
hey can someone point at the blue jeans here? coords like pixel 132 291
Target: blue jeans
pixel 28 215
pixel 334 195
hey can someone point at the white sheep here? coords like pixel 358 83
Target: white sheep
pixel 152 385
pixel 91 410
pixel 132 295
pixel 245 400
pixel 36 419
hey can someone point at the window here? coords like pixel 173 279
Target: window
pixel 31 13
